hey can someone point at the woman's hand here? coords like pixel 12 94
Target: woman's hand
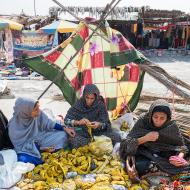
pixel 48 149
pixel 95 125
pixel 152 136
pixel 181 155
pixel 70 131
pixel 178 161
pixel 83 121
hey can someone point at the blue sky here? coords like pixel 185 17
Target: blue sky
pixel 42 6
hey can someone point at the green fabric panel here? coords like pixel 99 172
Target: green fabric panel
pixel 80 77
pixel 135 98
pixel 77 42
pixel 111 103
pixel 60 49
pixel 48 71
pixel 126 75
pixel 121 58
pixel 107 58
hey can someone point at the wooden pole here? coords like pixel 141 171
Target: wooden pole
pixel 105 13
pixel 164 80
pixel 35 8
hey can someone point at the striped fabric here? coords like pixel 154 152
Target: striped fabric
pixel 112 66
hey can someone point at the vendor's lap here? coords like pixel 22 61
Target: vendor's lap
pixel 89 114
pixel 58 139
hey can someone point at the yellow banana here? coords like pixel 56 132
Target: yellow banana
pixel 119 183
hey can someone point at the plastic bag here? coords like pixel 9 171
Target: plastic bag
pixel 115 152
pixel 71 175
pixel 128 118
pixel 3 85
pixel 101 146
pixel 11 170
pixel 58 118
pixel 118 187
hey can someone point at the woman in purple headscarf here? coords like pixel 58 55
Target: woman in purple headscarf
pixel 31 131
pixel 89 109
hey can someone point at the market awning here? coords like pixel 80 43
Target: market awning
pixel 150 28
pixel 167 27
pixel 61 26
pixel 5 23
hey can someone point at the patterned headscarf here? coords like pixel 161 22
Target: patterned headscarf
pixel 160 105
pixel 90 89
pixel 80 110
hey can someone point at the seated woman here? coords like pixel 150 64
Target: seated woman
pixel 30 131
pixel 90 110
pixel 5 142
pixel 156 143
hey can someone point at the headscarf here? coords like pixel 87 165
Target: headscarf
pixel 23 128
pixel 146 119
pixel 96 112
pixel 90 89
pixel 160 105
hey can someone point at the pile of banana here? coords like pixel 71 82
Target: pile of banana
pixel 30 184
pixel 106 171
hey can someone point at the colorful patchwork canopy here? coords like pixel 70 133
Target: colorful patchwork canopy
pixel 112 66
pixel 5 23
pixel 61 26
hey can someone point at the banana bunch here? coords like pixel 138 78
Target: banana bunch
pixel 30 184
pixel 119 177
pixel 25 184
pixel 103 177
pixel 135 187
pixel 101 186
pixel 124 126
pixel 83 184
pixel 41 185
pixel 69 184
pixel 58 164
pixel 144 184
pixel 89 127
pixel 108 171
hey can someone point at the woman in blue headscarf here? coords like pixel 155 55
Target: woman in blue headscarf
pixel 89 109
pixel 30 131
